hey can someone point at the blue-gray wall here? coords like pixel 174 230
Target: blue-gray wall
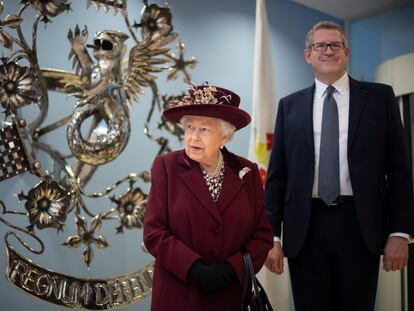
pixel 221 35
pixel 375 39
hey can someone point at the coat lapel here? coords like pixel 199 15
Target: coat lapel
pixel 195 183
pixel 231 183
pixel 231 186
pixel 356 99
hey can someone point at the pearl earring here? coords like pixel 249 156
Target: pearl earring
pixel 221 147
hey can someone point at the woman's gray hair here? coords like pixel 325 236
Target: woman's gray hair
pixel 324 25
pixel 226 128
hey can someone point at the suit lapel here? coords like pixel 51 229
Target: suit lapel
pixel 356 99
pixel 195 183
pixel 307 109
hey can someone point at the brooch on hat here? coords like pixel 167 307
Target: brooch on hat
pixel 201 95
pixel 243 172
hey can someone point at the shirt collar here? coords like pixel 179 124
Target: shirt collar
pixel 341 85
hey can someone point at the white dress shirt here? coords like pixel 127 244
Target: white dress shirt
pixel 341 95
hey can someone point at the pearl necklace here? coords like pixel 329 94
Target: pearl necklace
pixel 214 180
pixel 217 169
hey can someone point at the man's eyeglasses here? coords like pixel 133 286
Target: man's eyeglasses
pixel 322 46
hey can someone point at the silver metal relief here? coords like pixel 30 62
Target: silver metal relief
pixel 105 90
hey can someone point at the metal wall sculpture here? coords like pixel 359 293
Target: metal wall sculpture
pixel 104 90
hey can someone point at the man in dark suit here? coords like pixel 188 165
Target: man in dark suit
pixel 339 183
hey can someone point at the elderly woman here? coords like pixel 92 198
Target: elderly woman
pixel 204 208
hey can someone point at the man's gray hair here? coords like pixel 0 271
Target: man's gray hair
pixel 324 25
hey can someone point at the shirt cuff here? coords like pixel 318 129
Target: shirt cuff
pixel 403 235
pixel 276 239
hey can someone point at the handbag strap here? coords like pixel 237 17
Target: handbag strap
pixel 245 280
pixel 248 262
pixel 248 273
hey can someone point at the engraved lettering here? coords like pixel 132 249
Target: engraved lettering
pixel 78 293
pixel 65 289
pixel 102 294
pixel 29 281
pixel 42 285
pixel 126 289
pixel 56 287
pixel 18 269
pixel 116 293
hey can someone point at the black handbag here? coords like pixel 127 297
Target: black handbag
pixel 255 299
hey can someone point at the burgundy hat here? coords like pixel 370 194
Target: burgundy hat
pixel 209 101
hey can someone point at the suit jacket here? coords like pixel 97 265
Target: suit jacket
pixel 379 167
pixel 183 224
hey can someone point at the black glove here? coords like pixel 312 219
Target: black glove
pixel 227 269
pixel 212 278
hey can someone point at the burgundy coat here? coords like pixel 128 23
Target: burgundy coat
pixel 183 224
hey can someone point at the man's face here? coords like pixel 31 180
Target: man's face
pixel 328 65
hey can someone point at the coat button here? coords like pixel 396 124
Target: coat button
pixel 213 252
pixel 215 231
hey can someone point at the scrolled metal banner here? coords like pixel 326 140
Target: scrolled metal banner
pixel 73 292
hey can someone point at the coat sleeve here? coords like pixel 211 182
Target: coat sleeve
pixel 261 238
pixel 398 172
pixel 276 176
pixel 169 251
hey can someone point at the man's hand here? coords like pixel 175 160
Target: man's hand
pixel 274 260
pixel 395 253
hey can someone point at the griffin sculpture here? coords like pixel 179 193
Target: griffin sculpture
pixel 107 93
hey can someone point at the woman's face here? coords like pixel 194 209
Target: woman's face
pixel 202 139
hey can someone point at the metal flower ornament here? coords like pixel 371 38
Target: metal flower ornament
pixel 17 86
pixel 131 209
pixel 155 21
pixel 87 237
pixel 47 205
pixel 107 80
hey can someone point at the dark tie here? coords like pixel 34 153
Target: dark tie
pixel 328 184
